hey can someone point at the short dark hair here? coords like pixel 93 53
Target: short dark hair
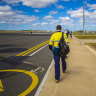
pixel 58 27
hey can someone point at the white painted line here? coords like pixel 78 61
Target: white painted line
pixel 38 50
pixel 35 71
pixel 92 50
pixel 44 79
pixel 42 70
pixel 30 63
pixel 46 75
pixel 39 69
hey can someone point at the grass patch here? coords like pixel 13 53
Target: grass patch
pixel 86 37
pixel 93 45
pixel 76 33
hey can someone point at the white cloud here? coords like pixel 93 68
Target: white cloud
pixel 66 21
pixel 59 6
pixel 7 15
pixel 48 17
pixel 52 21
pixel 11 1
pixel 35 24
pixel 93 14
pixel 53 12
pixel 78 13
pixel 36 10
pixel 65 0
pixel 93 6
pixel 18 11
pixel 90 16
pixel 44 23
pixel 5 11
pixel 5 8
pixel 94 25
pixel 38 24
pixel 32 3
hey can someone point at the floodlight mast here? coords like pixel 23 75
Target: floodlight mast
pixel 83 18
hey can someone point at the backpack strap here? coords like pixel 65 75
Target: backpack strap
pixel 63 36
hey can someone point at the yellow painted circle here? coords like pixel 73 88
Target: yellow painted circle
pixel 32 75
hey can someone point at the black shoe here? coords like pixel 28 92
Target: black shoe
pixel 64 72
pixel 56 81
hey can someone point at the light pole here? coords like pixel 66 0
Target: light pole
pixel 74 27
pixel 83 18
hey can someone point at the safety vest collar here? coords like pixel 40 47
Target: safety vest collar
pixel 58 31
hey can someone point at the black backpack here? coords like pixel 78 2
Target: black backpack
pixel 63 47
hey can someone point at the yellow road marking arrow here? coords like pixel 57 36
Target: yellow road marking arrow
pixel 1 86
pixel 32 85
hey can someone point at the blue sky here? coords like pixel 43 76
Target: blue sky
pixel 46 14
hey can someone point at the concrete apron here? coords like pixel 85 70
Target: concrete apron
pixel 80 78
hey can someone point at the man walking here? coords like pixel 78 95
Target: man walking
pixel 71 34
pixel 31 31
pixel 54 46
pixel 67 32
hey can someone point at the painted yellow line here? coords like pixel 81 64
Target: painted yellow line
pixel 32 75
pixel 26 51
pixel 34 49
pixel 1 86
pixel 30 50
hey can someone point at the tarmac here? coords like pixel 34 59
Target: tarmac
pixel 37 61
pixel 80 76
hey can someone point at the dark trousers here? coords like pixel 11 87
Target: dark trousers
pixel 57 66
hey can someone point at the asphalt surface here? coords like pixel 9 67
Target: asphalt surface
pixel 11 44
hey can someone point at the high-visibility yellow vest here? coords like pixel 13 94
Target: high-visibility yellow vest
pixel 55 38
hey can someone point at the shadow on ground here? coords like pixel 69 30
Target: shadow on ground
pixel 23 34
pixel 72 72
pixel 14 62
pixel 12 50
pixel 6 45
